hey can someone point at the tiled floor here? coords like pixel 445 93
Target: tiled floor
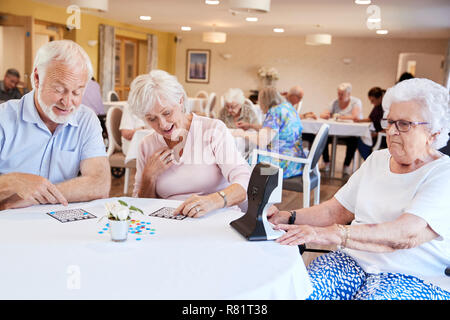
pixel 291 199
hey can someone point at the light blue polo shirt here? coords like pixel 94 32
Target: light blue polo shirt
pixel 28 146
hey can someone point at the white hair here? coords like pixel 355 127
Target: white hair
pixel 66 51
pixel 432 97
pixel 345 86
pixel 157 86
pixel 234 95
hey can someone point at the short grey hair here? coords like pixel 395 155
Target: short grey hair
pixel 432 97
pixel 66 51
pixel 234 95
pixel 345 86
pixel 157 86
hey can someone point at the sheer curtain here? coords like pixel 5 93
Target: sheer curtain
pixel 106 59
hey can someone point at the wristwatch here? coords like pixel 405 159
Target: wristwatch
pixel 292 217
pixel 224 196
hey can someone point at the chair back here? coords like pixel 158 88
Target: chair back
pixel 319 144
pixel 377 144
pixel 446 149
pixel 201 94
pixel 113 96
pixel 113 118
pixel 299 107
pixel 210 103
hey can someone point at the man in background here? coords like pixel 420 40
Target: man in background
pixel 8 87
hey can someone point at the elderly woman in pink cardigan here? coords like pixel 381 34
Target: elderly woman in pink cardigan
pixel 188 157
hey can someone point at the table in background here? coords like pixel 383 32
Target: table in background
pixel 339 128
pixel 109 104
pixel 203 258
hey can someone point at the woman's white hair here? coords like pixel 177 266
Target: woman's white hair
pixel 66 51
pixel 234 95
pixel 155 87
pixel 432 97
pixel 345 86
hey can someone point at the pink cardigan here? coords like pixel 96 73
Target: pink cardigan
pixel 210 162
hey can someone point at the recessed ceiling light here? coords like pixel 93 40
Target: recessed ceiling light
pixel 213 2
pixel 362 1
pixel 251 19
pixel 278 30
pixel 382 31
pixel 186 28
pixel 145 18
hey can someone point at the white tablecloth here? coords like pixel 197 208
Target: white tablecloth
pixel 202 258
pixel 109 104
pixel 340 128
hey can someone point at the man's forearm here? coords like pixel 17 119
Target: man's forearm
pixel 85 188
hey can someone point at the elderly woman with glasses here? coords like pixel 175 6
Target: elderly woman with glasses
pixel 391 219
pixel 188 157
pixel 236 110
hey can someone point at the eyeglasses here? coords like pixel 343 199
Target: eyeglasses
pixel 401 125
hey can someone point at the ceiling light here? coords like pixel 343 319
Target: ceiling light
pixel 213 2
pixel 251 19
pixel 278 30
pixel 318 39
pixel 250 6
pixel 214 37
pixel 94 5
pixel 362 1
pixel 145 18
pixel 382 31
pixel 186 28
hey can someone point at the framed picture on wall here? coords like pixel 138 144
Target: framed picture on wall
pixel 197 65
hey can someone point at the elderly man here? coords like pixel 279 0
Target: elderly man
pixel 48 137
pixel 295 96
pixel 8 87
pixel 345 107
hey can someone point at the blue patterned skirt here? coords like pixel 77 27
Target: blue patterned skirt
pixel 337 276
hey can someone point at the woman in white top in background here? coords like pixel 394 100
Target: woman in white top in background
pixel 398 243
pixel 345 107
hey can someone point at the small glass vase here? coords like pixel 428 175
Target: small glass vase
pixel 269 82
pixel 118 229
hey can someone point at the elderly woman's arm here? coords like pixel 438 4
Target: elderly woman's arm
pixel 260 138
pixel 407 231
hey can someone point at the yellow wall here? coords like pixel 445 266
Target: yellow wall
pixel 89 30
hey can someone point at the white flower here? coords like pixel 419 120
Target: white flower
pixel 117 210
pixel 269 73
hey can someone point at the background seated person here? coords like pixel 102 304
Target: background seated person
pixel 397 244
pixel 281 132
pixel 129 124
pixel 376 97
pixel 236 110
pixel 345 107
pixel 48 136
pixel 188 157
pixel 8 87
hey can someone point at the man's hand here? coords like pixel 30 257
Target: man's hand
pixel 34 189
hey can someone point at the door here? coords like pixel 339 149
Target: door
pixel 422 65
pixel 126 65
